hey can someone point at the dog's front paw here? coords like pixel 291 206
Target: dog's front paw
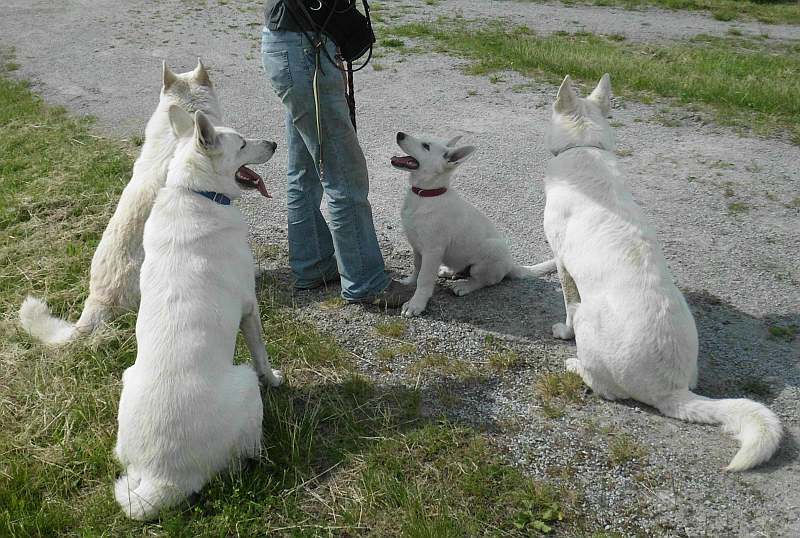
pixel 412 308
pixel 274 380
pixel 562 332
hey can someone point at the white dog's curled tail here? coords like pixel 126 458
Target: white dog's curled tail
pixel 143 498
pixel 35 318
pixel 534 271
pixel 756 427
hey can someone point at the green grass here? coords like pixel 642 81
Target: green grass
pixel 769 11
pixel 623 449
pixel 748 84
pixel 392 328
pixel 342 456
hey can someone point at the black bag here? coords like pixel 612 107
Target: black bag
pixel 339 19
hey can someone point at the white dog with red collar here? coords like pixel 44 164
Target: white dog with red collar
pixel 450 237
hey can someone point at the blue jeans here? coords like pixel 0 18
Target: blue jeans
pixel 315 250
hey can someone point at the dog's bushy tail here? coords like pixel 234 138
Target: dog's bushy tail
pixel 756 427
pixel 534 271
pixel 36 319
pixel 143 498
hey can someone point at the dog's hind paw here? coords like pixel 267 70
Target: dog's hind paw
pixel 562 332
pixel 274 380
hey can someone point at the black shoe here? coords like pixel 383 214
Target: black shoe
pixel 330 280
pixel 393 296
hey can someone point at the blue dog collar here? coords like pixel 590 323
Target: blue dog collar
pixel 217 197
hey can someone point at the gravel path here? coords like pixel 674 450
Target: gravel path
pixel 739 268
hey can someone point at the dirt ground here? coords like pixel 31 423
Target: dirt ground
pixel 740 270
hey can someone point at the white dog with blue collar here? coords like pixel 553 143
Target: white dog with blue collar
pixel 186 410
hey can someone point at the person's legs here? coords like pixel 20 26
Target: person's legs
pixel 289 61
pixel 311 255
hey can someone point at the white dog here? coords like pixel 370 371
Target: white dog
pixel 635 335
pixel 186 410
pixel 114 275
pixel 450 237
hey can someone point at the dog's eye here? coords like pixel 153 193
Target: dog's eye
pixel 426 146
pixel 244 143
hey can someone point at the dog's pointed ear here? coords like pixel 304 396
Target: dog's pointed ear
pixel 459 155
pixel 181 121
pixel 453 141
pixel 204 132
pixel 168 78
pixel 602 94
pixel 567 99
pixel 200 74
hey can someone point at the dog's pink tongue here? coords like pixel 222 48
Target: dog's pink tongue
pixel 253 180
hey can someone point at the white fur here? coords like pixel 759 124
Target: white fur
pixel 186 411
pixel 114 274
pixel 635 335
pixel 447 233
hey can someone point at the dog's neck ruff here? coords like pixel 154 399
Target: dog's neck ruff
pixel 217 197
pixel 560 151
pixel 428 193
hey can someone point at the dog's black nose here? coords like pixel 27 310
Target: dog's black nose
pixel 401 136
pixel 274 145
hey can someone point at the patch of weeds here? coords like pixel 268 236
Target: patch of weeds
pixel 556 387
pixel 623 152
pixel 443 365
pixel 334 302
pixel 11 66
pixel 721 164
pixel 389 353
pixel 734 32
pixel 137 140
pixel 623 449
pixel 728 192
pixel 377 66
pixel 392 43
pixel 724 14
pixel 553 410
pixel 615 37
pixel 785 332
pixel 393 329
pixel 496 79
pixel 472 93
pixel 499 356
pixel 616 124
pixel 794 204
pixel 737 208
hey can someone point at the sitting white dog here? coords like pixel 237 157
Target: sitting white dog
pixel 449 236
pixel 186 411
pixel 635 335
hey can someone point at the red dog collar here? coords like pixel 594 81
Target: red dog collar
pixel 427 193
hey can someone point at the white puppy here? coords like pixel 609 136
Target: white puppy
pixel 635 335
pixel 114 275
pixel 449 236
pixel 186 410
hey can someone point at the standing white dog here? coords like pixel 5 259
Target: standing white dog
pixel 186 410
pixel 635 335
pixel 114 274
pixel 449 236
